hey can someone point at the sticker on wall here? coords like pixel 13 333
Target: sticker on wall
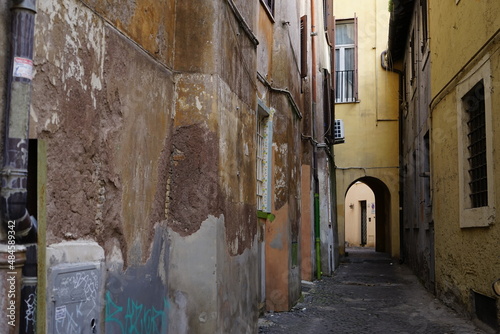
pixel 373 208
pixel 60 312
pixel 23 68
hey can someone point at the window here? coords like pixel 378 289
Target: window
pixel 303 46
pixel 412 58
pixel 270 5
pixel 264 140
pixel 261 125
pixel 346 61
pixel 423 23
pixel 473 104
pixel 475 148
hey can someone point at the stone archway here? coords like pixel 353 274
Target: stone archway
pixel 383 212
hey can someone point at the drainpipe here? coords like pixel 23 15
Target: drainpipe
pixel 14 172
pixel 315 150
pixel 386 65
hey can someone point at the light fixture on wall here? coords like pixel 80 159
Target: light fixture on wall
pixel 351 206
pixel 496 287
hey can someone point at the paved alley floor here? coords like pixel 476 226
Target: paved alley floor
pixel 370 294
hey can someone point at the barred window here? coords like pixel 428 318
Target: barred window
pixel 476 180
pixel 261 157
pixel 474 106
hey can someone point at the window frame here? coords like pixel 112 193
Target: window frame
pixel 341 59
pixel 269 5
pixel 424 26
pixel 263 135
pixel 482 216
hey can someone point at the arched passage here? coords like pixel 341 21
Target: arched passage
pixel 383 212
pixel 360 216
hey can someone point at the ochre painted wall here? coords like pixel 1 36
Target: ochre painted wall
pixel 465 41
pixel 371 124
pixel 458 32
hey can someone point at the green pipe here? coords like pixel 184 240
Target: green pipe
pixel 316 235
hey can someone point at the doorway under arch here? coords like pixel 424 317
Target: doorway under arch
pixel 360 216
pixel 381 216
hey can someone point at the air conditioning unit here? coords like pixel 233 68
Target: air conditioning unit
pixel 339 130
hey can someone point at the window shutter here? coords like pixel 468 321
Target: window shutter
pixel 303 46
pixel 355 58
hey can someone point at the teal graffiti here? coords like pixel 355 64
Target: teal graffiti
pixel 136 318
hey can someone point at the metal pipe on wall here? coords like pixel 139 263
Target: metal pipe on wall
pixel 315 150
pixel 14 172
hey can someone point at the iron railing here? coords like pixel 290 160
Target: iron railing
pixel 345 86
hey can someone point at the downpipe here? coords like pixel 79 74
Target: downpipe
pixel 388 66
pixel 14 172
pixel 317 230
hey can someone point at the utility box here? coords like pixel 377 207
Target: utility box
pixel 73 292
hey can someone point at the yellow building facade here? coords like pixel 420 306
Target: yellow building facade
pixel 367 105
pixel 465 87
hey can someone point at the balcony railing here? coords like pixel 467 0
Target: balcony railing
pixel 345 86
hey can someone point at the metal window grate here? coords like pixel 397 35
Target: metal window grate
pixel 478 179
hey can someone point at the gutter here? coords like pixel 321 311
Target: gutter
pixel 244 25
pixel 281 91
pixel 14 171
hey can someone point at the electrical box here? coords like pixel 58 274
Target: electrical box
pixel 73 292
pixel 339 130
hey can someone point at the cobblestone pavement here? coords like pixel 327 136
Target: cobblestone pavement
pixel 370 294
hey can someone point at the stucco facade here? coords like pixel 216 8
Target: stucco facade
pixel 144 119
pixel 450 64
pixel 471 54
pixel 413 65
pixel 370 151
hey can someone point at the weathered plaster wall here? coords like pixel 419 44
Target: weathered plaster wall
pixel 306 227
pixel 282 234
pixel 277 63
pixel 197 38
pixel 105 136
pixel 418 232
pixel 459 271
pixel 211 205
pixel 102 103
pixel 157 169
pixel 455 31
pixel 216 181
pixel 150 23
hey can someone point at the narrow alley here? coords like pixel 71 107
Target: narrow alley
pixel 369 293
